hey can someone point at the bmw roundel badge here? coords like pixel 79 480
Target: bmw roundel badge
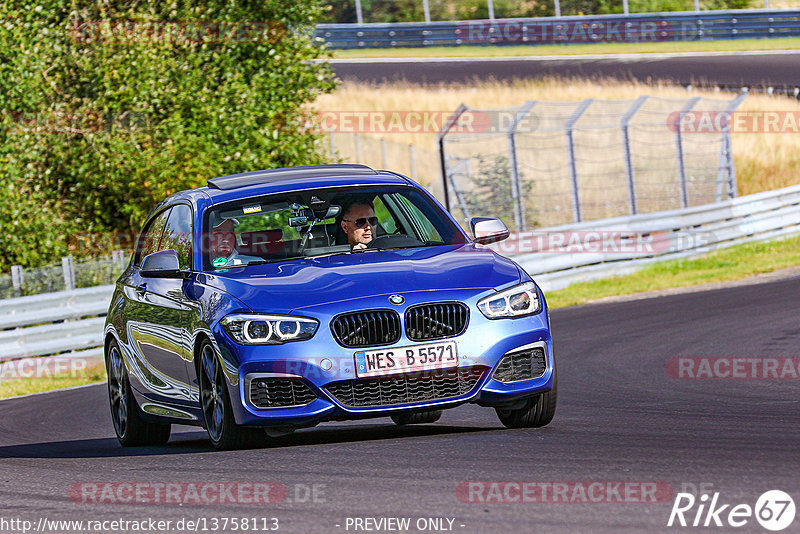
pixel 396 300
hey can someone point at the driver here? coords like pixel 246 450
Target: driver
pixel 359 223
pixel 223 246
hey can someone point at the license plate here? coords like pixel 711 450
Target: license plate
pixel 397 360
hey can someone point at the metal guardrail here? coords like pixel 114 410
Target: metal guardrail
pixel 64 322
pixel 598 249
pixel 638 27
pixel 71 322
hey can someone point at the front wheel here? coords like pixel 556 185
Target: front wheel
pixel 537 411
pixel 130 427
pixel 216 405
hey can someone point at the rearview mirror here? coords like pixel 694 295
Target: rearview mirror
pixel 487 230
pixel 162 264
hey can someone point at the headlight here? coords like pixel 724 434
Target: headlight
pixel 256 329
pixel 512 302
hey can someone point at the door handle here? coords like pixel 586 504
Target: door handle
pixel 141 289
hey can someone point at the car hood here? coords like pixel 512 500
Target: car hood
pixel 285 286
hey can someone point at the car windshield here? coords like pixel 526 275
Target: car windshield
pixel 324 222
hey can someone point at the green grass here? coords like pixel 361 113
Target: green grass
pixel 784 43
pixel 26 386
pixel 733 263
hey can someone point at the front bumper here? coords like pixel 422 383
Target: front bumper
pixel 322 364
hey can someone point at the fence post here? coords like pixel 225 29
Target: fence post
pixel 558 8
pixel 383 153
pixel 516 187
pixel 413 162
pixel 118 258
pixel 626 143
pixel 358 148
pixel 17 277
pixel 69 272
pixel 726 153
pixel 573 170
pixel 679 150
pixel 359 12
pixel 451 121
pixel 333 146
pixel 426 8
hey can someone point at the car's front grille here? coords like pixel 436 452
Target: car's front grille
pixel 274 392
pixel 366 328
pixel 436 321
pixel 438 384
pixel 521 365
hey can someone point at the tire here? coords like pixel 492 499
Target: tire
pixel 215 403
pixel 129 425
pixel 538 411
pixel 416 418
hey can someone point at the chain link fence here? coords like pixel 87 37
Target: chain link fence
pixel 551 163
pixel 418 163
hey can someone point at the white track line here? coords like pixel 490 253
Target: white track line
pixel 580 57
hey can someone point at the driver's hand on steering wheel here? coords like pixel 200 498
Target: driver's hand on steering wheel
pixel 359 246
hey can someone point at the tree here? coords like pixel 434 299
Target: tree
pixel 107 108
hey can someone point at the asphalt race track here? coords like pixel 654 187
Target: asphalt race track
pixel 721 68
pixel 620 418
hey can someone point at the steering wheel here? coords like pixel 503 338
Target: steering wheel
pixel 394 240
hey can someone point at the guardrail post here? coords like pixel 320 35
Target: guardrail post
pixel 383 153
pixel 442 156
pixel 573 169
pixel 17 278
pixel 626 143
pixel 679 150
pixel 516 187
pixel 69 272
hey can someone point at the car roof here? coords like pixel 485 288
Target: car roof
pixel 288 179
pixel 283 180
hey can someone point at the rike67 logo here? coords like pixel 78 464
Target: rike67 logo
pixel 774 510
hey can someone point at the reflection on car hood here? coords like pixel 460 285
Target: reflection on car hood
pixel 285 286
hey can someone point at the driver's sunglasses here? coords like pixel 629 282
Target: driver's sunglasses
pixel 362 221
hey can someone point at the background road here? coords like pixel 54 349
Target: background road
pixel 620 418
pixel 721 68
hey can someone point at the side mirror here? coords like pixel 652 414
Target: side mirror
pixel 162 264
pixel 487 230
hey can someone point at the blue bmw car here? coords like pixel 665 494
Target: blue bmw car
pixel 275 300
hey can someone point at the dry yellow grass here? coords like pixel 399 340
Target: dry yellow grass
pixel 763 160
